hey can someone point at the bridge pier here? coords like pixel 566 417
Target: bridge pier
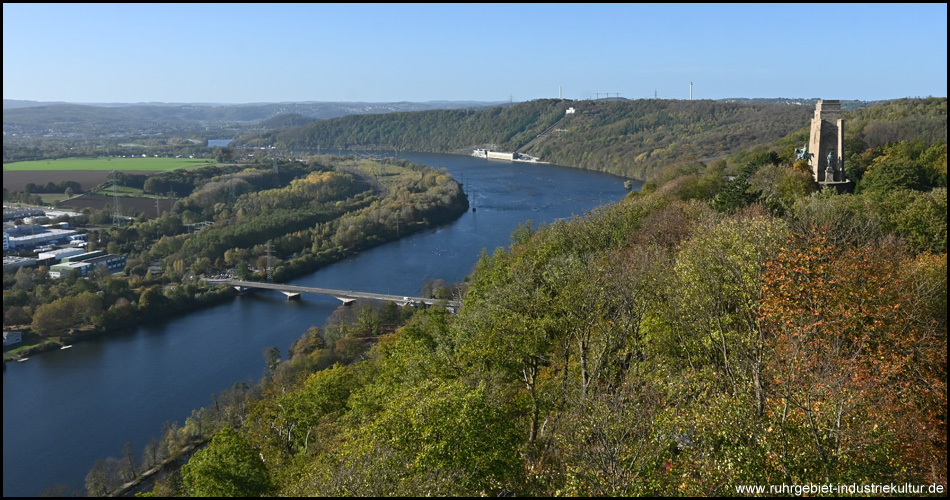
pixel 346 301
pixel 291 295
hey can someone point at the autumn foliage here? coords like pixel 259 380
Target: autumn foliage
pixel 858 361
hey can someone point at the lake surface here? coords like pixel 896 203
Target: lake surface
pixel 219 142
pixel 63 410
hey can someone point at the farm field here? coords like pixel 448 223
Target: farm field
pixel 88 172
pixel 130 206
pixel 88 179
pixel 124 164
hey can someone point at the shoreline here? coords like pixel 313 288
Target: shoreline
pixel 223 292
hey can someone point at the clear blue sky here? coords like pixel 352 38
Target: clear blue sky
pixel 242 53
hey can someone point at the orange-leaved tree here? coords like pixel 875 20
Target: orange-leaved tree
pixel 857 366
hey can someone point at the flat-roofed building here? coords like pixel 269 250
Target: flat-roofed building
pixel 88 262
pixel 84 256
pixel 19 213
pixel 60 270
pixel 34 237
pixel 59 253
pixel 111 262
pixel 10 263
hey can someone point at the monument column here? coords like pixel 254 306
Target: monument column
pixel 827 141
pixel 840 166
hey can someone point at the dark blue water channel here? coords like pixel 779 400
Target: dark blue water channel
pixel 63 410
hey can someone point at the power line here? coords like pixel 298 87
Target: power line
pixel 116 213
pixel 270 262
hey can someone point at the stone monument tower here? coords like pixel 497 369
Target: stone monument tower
pixel 827 143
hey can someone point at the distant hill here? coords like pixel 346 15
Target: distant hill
pixel 286 120
pixel 899 120
pixel 625 137
pixel 15 104
pixel 30 118
pixel 846 104
pixel 631 138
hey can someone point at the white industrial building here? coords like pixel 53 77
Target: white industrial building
pixel 501 155
pixel 59 253
pixel 34 236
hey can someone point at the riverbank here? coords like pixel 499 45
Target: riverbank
pixel 124 389
pixel 119 320
pixel 145 482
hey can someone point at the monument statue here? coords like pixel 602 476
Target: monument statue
pixel 803 153
pixel 830 169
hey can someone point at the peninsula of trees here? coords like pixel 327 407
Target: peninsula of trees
pixel 312 213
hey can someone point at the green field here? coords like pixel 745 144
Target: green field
pixel 52 198
pixel 107 164
pixel 124 191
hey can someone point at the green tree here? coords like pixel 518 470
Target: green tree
pixel 152 300
pixel 271 359
pixel 243 272
pixel 778 186
pixel 437 439
pixel 712 302
pixel 738 193
pixel 890 174
pixel 103 477
pixel 229 467
pixel 289 423
pixel 60 315
pixel 614 444
pixel 224 155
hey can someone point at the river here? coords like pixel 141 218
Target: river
pixel 63 410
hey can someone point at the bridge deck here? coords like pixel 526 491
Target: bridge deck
pixel 340 294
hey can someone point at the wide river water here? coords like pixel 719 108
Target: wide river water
pixel 65 409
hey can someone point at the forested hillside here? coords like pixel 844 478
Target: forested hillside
pixel 628 138
pixel 703 335
pixel 623 137
pixel 286 120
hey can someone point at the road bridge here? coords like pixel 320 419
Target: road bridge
pixel 346 296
